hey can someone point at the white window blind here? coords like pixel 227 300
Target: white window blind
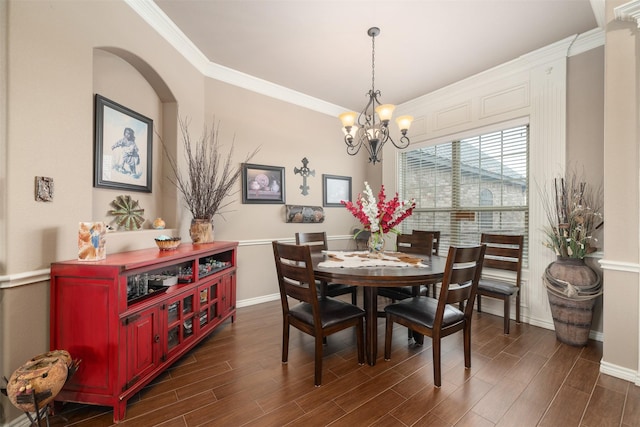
pixel 466 187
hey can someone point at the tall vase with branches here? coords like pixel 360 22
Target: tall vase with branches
pixel 209 179
pixel 573 211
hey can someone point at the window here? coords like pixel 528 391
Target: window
pixel 466 187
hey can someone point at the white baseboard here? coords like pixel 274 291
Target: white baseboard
pixel 257 300
pixel 620 372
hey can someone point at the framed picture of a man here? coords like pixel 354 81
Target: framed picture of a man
pixel 123 147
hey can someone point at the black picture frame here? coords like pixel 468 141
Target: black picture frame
pixel 335 188
pixel 263 184
pixel 120 163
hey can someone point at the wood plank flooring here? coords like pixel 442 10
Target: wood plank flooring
pixel 235 378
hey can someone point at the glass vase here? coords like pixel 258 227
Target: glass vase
pixel 376 243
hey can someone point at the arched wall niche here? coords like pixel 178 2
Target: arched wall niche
pixel 129 80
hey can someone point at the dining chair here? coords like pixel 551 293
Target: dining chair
pixel 504 252
pixel 317 242
pixel 419 244
pixel 318 317
pixel 436 251
pixel 450 313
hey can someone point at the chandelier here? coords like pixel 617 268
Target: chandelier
pixel 370 131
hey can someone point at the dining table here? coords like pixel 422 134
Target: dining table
pixel 430 271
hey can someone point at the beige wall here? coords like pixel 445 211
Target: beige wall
pixel 585 133
pixel 621 262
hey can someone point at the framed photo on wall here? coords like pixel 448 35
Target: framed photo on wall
pixel 262 184
pixel 335 189
pixel 123 147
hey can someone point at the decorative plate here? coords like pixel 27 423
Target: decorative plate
pixel 127 212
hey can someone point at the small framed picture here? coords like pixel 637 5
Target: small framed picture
pixel 123 147
pixel 335 189
pixel 262 184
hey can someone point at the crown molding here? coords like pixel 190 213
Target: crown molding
pixel 159 21
pixel 587 41
pixel 628 12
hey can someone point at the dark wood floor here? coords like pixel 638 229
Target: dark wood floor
pixel 235 378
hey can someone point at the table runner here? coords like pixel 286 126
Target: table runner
pixel 364 259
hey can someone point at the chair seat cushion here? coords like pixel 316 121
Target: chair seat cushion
pixel 332 311
pixel 497 287
pixel 422 310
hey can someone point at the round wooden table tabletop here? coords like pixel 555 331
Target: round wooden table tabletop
pixel 370 278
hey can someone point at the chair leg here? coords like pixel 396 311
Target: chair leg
pixel 507 314
pixel 388 335
pixel 437 373
pixel 467 345
pixel 318 361
pixel 518 307
pixel 354 296
pixel 479 299
pixel 285 342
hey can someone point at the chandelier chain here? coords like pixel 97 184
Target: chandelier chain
pixel 373 63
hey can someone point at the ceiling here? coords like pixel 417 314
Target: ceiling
pixel 321 48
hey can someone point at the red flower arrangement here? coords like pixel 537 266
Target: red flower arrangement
pixel 378 215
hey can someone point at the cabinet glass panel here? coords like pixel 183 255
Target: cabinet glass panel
pixel 187 328
pixel 214 290
pixel 213 310
pixel 172 338
pixel 204 296
pixel 172 312
pixel 204 319
pixel 188 305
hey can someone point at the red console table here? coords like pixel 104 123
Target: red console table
pixel 130 316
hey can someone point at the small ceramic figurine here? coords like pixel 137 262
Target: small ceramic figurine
pixel 158 224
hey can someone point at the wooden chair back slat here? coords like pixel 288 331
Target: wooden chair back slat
pixel 461 277
pixel 295 273
pixel 503 252
pixel 435 236
pixel 415 244
pixel 316 241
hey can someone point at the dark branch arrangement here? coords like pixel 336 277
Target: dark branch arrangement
pixel 210 177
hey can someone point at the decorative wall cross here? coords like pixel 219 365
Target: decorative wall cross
pixel 305 172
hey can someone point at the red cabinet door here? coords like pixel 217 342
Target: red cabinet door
pixel 84 322
pixel 142 340
pixel 227 295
